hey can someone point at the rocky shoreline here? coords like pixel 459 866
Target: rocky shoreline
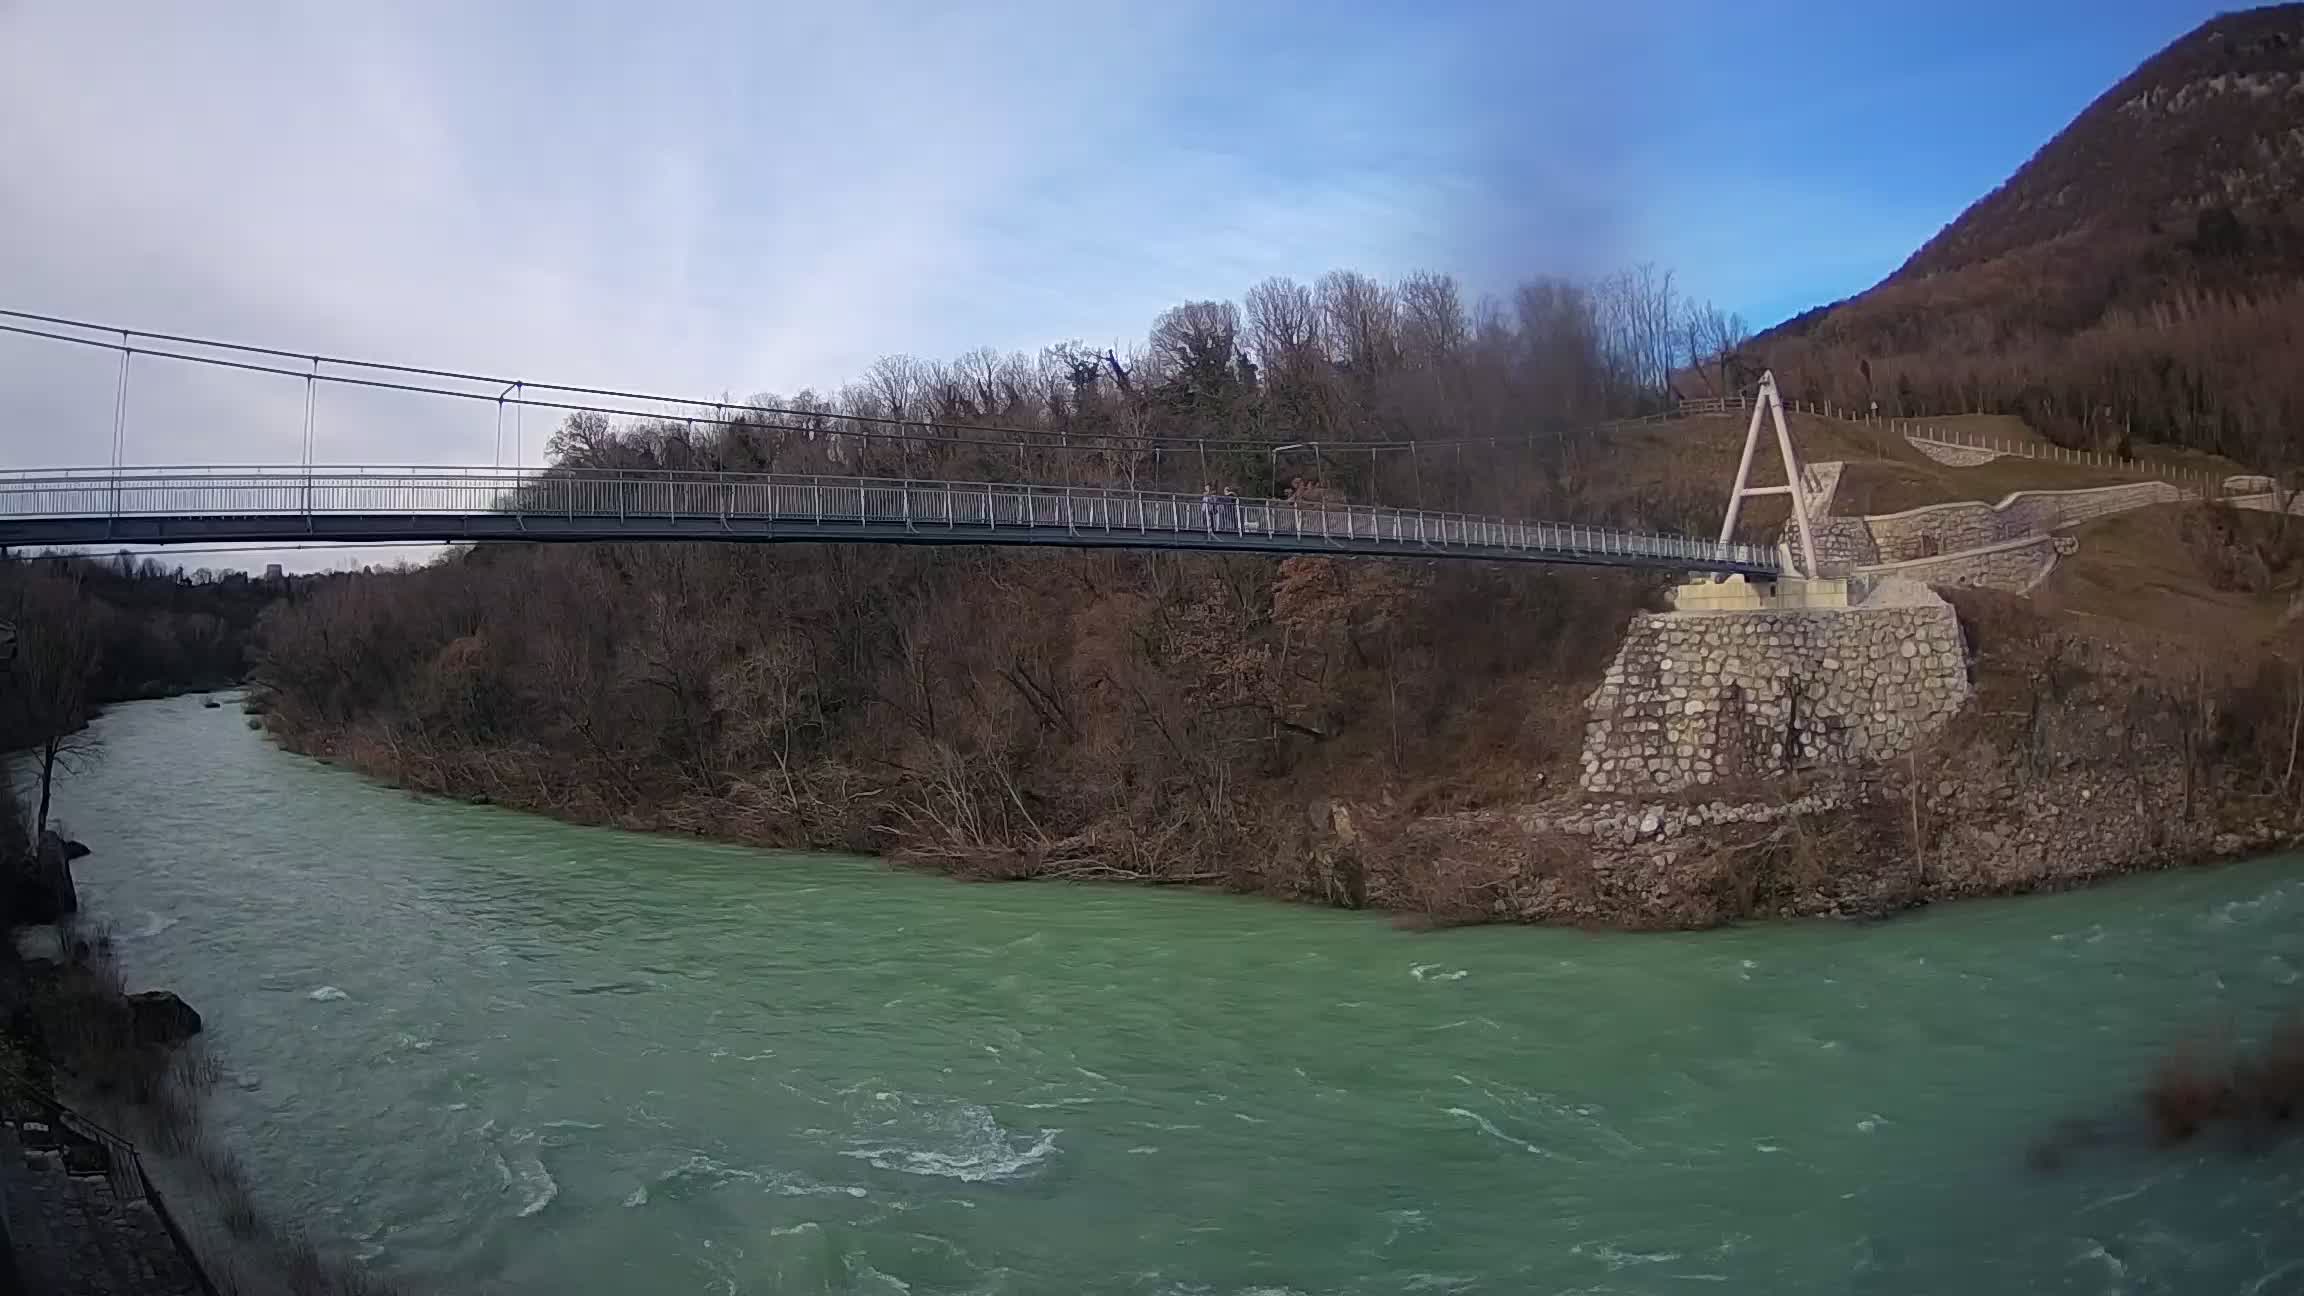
pixel 103 1087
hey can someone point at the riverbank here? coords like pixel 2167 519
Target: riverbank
pixel 113 1183
pixel 2086 751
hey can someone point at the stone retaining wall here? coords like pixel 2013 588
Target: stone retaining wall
pixel 1844 540
pixel 1822 481
pixel 1947 528
pixel 2015 566
pixel 2269 502
pixel 2056 510
pixel 1953 456
pixel 1693 698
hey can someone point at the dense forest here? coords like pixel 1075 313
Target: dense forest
pixel 151 629
pixel 1405 392
pixel 84 632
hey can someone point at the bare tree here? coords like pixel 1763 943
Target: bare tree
pixel 1712 340
pixel 1361 320
pixel 56 653
pixel 1196 342
pixel 1284 327
pixel 1433 323
pixel 1639 319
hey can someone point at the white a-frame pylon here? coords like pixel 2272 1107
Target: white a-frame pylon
pixel 1768 405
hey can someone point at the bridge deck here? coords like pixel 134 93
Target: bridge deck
pixel 186 505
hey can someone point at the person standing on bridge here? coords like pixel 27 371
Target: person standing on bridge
pixel 1229 515
pixel 1208 506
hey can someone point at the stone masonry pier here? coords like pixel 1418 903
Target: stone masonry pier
pixel 1695 698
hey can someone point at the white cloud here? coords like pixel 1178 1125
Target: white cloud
pixel 718 197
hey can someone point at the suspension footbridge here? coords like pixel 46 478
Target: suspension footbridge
pixel 123 504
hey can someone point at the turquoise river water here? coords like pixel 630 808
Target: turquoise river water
pixel 492 1053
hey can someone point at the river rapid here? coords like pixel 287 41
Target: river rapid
pixel 492 1053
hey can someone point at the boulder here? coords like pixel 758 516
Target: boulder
pixel 43 892
pixel 159 1017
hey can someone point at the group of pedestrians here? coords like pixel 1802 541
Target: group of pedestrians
pixel 1219 512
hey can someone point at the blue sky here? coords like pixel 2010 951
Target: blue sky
pixel 1826 142
pixel 738 196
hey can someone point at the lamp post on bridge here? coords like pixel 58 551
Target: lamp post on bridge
pixel 1279 450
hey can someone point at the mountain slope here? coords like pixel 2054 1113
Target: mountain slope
pixel 2214 121
pixel 2141 278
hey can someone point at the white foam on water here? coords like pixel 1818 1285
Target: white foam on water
pixel 1616 1257
pixel 637 1197
pixel 327 994
pixel 154 924
pixel 1488 1128
pixel 969 1165
pixel 527 1176
pixel 1429 972
pixel 2233 912
pixel 1550 1111
pixel 711 1172
pixel 857 1269
pixel 1146 1150
pixel 2115 1268
pixel 1868 1124
pixel 959 1141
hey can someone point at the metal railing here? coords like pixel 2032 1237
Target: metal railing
pixel 609 500
pixel 124 1171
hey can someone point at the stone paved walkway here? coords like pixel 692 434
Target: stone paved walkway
pixel 71 1235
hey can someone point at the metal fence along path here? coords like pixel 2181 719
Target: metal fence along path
pixel 97 506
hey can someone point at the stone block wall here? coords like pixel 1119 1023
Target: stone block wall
pixel 1953 456
pixel 1822 484
pixel 1694 698
pixel 1947 528
pixel 1842 540
pixel 2055 510
pixel 1939 528
pixel 2270 502
pixel 2014 566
